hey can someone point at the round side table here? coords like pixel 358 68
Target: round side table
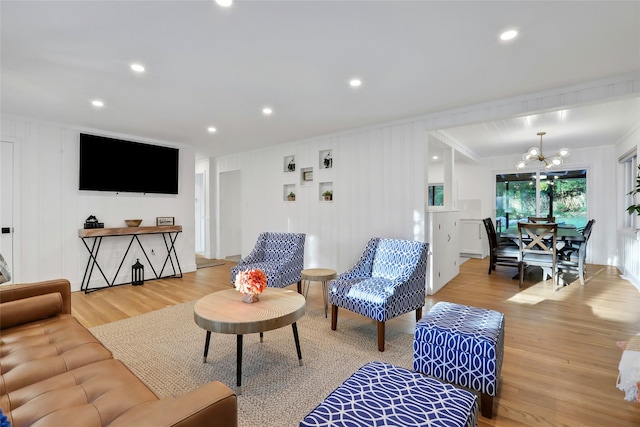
pixel 323 275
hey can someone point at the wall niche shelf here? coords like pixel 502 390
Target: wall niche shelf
pixel 287 190
pixel 325 159
pixel 325 191
pixel 306 176
pixel 289 163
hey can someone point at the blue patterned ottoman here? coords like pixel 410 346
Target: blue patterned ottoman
pixel 462 345
pixel 379 394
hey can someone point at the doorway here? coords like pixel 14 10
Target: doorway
pixel 200 212
pixel 230 214
pixel 6 211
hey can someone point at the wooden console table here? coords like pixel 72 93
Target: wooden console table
pixel 169 235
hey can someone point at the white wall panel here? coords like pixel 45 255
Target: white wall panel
pixel 377 183
pixel 629 264
pixel 52 209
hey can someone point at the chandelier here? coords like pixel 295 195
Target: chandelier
pixel 535 153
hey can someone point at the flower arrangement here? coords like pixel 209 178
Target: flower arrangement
pixel 251 282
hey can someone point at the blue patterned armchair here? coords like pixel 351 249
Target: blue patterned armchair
pixel 279 255
pixel 388 280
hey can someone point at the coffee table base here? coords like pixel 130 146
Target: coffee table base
pixel 207 341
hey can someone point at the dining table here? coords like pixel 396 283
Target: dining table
pixel 568 234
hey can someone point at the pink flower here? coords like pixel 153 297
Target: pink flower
pixel 251 281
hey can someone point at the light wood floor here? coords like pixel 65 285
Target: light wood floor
pixel 561 360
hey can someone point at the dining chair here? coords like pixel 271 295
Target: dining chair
pixel 501 252
pixel 573 246
pixel 538 247
pixel 572 257
pixel 542 220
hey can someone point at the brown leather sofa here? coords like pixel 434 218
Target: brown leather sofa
pixel 56 373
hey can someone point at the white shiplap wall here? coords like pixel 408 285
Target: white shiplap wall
pixel 628 260
pixel 49 209
pixel 378 190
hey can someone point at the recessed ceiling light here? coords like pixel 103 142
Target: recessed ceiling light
pixel 97 103
pixel 508 35
pixel 435 157
pixel 137 68
pixel 355 82
pixel 211 129
pixel 266 111
pixel 224 3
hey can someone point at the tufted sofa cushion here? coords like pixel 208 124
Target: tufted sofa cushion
pixel 40 350
pixel 95 395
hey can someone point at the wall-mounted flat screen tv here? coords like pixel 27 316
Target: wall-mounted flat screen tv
pixel 108 164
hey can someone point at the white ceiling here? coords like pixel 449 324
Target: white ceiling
pixel 587 126
pixel 209 66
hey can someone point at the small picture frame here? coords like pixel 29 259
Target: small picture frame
pixel 165 220
pixel 307 176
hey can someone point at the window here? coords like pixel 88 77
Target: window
pixel 630 174
pixel 561 194
pixel 436 195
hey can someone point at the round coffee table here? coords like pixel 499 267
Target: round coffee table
pixel 323 275
pixel 225 313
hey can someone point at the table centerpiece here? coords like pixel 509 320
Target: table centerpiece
pixel 251 283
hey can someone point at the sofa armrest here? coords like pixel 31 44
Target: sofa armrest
pixel 28 310
pixel 26 290
pixel 211 404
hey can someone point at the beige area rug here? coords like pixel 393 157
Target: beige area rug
pixel 164 349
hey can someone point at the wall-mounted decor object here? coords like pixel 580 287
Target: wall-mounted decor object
pixel 165 220
pixel 289 192
pixel 326 159
pixel 289 163
pixel 307 176
pixel 326 191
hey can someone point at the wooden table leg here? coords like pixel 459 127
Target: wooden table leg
pixel 297 340
pixel 239 364
pixel 325 296
pixel 207 340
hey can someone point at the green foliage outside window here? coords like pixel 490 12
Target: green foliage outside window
pixel 635 208
pixel 436 195
pixel 561 196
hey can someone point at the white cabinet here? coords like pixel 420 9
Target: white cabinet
pixel 444 244
pixel 474 243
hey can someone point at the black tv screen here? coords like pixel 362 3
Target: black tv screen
pixel 108 164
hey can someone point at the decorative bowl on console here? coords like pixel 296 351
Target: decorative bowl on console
pixel 133 222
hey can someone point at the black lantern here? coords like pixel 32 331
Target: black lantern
pixel 137 274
